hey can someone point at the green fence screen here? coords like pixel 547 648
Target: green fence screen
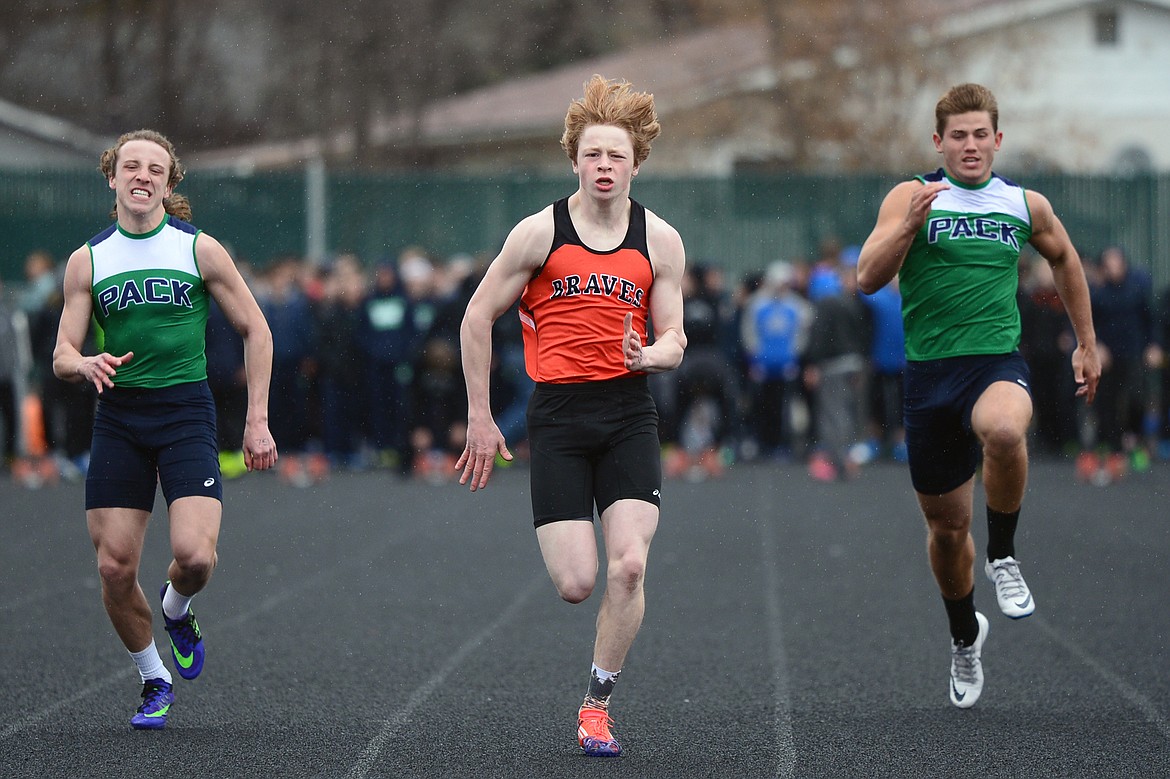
pixel 739 223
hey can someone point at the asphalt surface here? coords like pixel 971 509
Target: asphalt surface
pixel 375 627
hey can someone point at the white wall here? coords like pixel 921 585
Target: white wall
pixel 1078 104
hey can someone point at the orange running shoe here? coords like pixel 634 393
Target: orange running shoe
pixel 593 733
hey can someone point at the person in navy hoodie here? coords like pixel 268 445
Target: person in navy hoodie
pixel 1123 311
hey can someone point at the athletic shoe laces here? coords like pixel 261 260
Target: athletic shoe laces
pixel 1008 581
pixel 186 630
pixel 596 723
pixel 153 693
pixel 963 664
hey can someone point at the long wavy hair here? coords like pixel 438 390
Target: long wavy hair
pixel 175 205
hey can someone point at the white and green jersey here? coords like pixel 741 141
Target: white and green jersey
pixel 149 298
pixel 960 276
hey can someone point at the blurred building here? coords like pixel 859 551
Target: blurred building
pixel 825 110
pixel 1084 87
pixel 34 141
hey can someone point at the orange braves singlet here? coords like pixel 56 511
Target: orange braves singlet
pixel 572 312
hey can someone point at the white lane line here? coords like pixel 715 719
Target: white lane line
pixel 127 672
pixel 120 676
pixel 89 584
pixel 391 727
pixel 1128 692
pixel 785 746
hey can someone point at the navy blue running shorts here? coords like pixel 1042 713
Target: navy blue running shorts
pixel 592 444
pixel 145 437
pixel 937 402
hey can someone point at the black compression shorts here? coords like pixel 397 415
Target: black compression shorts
pixel 592 444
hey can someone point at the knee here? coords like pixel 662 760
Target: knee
pixel 574 589
pixel 196 564
pixel 1004 439
pixel 117 572
pixel 949 537
pixel 627 572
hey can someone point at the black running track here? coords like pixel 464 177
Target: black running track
pixel 373 627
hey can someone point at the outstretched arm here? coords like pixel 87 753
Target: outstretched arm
pixel 231 292
pixel 1051 239
pixel 523 251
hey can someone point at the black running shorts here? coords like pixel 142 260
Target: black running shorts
pixel 592 444
pixel 144 437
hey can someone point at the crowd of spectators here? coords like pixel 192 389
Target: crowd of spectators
pixel 787 364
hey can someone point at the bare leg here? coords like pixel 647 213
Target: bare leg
pixel 195 525
pixel 950 547
pixel 118 535
pixel 1000 419
pixel 569 549
pixel 628 526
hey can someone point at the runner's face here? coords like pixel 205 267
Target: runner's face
pixel 605 161
pixel 140 177
pixel 968 146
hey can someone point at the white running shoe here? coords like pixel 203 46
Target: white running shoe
pixel 1015 599
pixel 967 668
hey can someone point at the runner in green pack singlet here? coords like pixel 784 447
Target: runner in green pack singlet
pixel 953 239
pixel 146 280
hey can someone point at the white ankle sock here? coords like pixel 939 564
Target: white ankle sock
pixel 150 665
pixel 603 674
pixel 175 605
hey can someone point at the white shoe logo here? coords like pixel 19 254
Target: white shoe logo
pixel 209 482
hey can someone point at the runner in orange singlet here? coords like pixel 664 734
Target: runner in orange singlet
pixel 591 271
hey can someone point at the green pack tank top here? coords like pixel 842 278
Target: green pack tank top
pixel 961 274
pixel 149 298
